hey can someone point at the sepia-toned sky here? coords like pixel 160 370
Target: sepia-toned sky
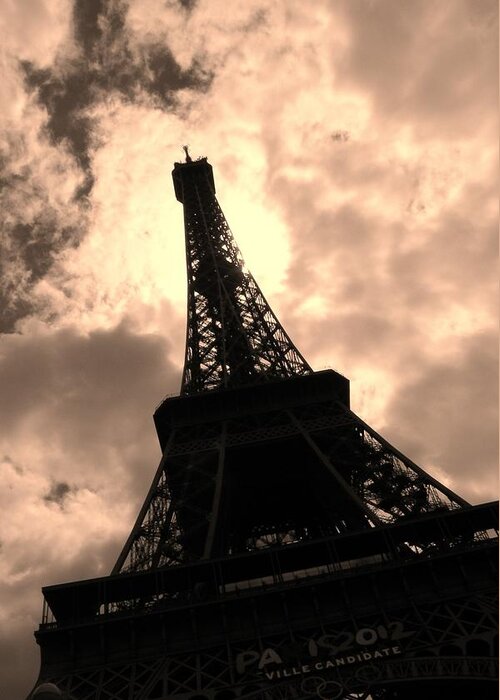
pixel 354 146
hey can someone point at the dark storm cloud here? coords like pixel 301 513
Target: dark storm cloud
pixel 64 384
pixel 188 5
pixel 58 492
pixel 77 428
pixel 87 401
pixel 103 61
pixel 65 98
pixel 449 400
pixel 34 228
pixel 416 67
pixel 108 62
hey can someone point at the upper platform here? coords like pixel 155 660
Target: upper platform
pixel 320 386
pixel 191 170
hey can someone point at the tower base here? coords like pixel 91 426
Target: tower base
pixel 353 614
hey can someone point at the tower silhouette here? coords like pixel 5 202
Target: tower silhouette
pixel 285 549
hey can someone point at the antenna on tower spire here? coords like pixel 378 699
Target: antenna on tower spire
pixel 188 157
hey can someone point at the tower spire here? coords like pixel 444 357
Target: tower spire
pixel 233 337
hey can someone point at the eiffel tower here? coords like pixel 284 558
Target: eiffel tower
pixel 285 549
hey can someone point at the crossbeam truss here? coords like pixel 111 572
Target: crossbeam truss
pixel 334 471
pixel 361 482
pixel 449 642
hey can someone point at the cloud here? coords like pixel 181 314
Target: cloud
pixel 80 451
pixel 58 492
pixel 41 217
pixel 102 62
pixel 354 147
pixel 399 297
pixel 59 383
pixel 57 103
pixel 447 416
pixel 417 68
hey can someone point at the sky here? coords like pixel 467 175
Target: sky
pixel 354 146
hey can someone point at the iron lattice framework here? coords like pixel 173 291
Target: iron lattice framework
pixel 444 642
pixel 195 506
pixel 285 550
pixel 233 337
pixel 211 493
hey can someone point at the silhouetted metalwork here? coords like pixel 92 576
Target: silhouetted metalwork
pixel 333 473
pixel 285 549
pixel 233 336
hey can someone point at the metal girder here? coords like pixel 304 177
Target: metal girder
pixel 233 337
pixel 421 647
pixel 349 477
